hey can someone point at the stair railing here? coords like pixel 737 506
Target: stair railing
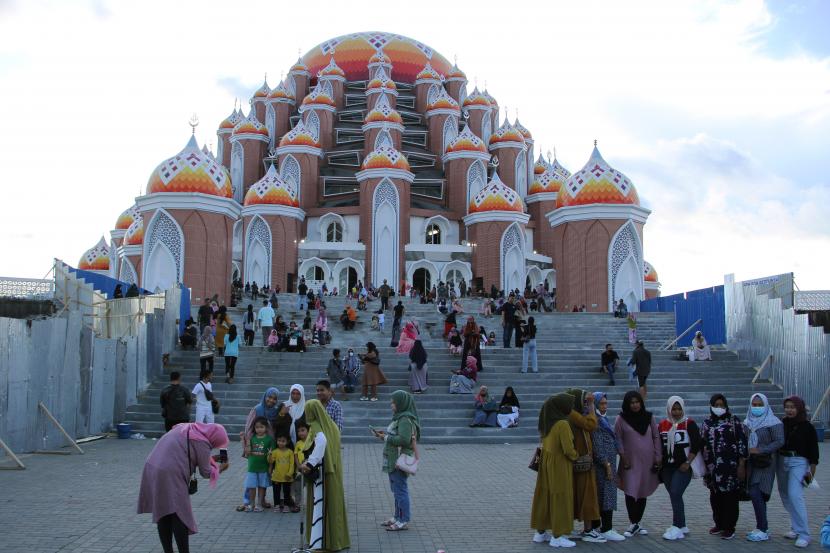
pixel 671 344
pixel 762 370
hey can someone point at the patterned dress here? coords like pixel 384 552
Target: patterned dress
pixel 605 451
pixel 724 443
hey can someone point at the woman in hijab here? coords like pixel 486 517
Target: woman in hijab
pixel 472 344
pixel 418 368
pixel 680 437
pixel 207 347
pixel 462 382
pixel 638 440
pixel 700 349
pixel 166 475
pixel 326 524
pixel 273 340
pixel 583 421
pixel 296 408
pixel 321 326
pixel 267 408
pixel 604 444
pixel 408 337
pixel 399 438
pixel 486 411
pixel 725 452
pixel 766 437
pixel 508 409
pixel 372 374
pixel 553 500
pixel 797 467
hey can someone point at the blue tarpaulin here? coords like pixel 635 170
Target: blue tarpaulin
pixel 104 284
pixel 184 308
pixel 706 304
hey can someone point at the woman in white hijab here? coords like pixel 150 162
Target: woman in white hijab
pixel 296 408
pixel 700 349
pixel 766 437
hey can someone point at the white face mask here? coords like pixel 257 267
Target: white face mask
pixel 718 411
pixel 351 353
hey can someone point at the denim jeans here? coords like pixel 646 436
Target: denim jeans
pixel 508 334
pixel 759 505
pixel 676 483
pixel 611 368
pixel 791 472
pixel 529 349
pixel 301 302
pixel 397 480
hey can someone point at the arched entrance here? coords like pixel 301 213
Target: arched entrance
pixel 348 279
pixel 454 277
pixel 422 280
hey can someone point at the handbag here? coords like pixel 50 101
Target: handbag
pixel 506 410
pixel 292 341
pixel 535 460
pixel 409 463
pixel 214 403
pixel 192 483
pixel 584 463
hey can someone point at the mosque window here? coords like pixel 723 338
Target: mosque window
pixel 315 273
pixel 433 235
pixel 334 232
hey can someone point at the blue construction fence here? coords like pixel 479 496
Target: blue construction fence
pixel 706 304
pixel 184 307
pixel 104 284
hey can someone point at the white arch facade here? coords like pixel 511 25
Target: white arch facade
pixel 486 129
pixel 126 272
pixel 549 276
pixel 339 274
pixel 237 171
pixel 442 222
pixel 327 220
pixel 429 266
pixel 463 267
pixel 385 233
pixel 512 250
pixel 163 256
pixel 290 171
pixel 476 179
pixel 312 262
pixel 312 124
pixel 258 248
pixel 625 268
pixel 450 131
pixel 236 248
pixel 535 275
pixel 432 94
pixel 270 124
pixel 521 174
pixel 384 139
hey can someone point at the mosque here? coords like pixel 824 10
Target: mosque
pixel 372 160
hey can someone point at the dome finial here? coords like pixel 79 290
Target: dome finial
pixel 194 122
pixel 595 143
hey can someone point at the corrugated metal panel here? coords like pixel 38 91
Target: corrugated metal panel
pixel 813 300
pixel 706 304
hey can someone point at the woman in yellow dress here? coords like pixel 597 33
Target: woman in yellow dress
pixel 553 499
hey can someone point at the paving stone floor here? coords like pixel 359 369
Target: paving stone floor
pixel 465 499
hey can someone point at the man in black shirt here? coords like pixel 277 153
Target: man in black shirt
pixel 609 360
pixel 205 313
pixel 302 290
pixel 384 292
pixel 175 402
pixel 641 358
pixel 508 315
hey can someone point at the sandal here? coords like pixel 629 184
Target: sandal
pixel 295 509
pixel 248 508
pixel 240 508
pixel 257 509
pixel 388 522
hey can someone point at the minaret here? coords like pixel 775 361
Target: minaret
pixel 336 78
pixel 508 145
pixel 548 179
pixel 278 110
pixel 223 135
pixel 382 119
pixel 379 84
pixel 300 154
pixel 130 252
pixel 249 144
pixel 258 100
pixel 442 120
pixel 318 110
pixel 529 153
pixel 464 181
pixel 427 80
pixel 122 225
pixel 298 79
pixel 456 83
pixel 477 108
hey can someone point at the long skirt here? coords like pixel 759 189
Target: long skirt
pixel 506 421
pixel 460 384
pixel 484 418
pixel 470 351
pixel 418 378
pixel 396 333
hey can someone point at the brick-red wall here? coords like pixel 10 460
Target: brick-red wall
pixel 253 152
pixel 435 137
pixel 207 252
pixel 487 253
pixel 507 165
pixel 455 187
pixel 285 235
pixel 543 232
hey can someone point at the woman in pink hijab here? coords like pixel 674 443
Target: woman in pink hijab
pixel 166 477
pixel 408 336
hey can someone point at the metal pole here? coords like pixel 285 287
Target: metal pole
pixel 55 421
pixel 15 458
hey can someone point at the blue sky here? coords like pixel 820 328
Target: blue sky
pixel 718 111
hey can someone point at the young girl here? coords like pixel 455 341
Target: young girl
pixel 351 370
pixel 231 353
pixel 248 323
pixel 455 342
pixel 257 481
pixel 283 469
pixel 299 458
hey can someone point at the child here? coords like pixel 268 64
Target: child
pixel 256 482
pixel 351 370
pixel 281 461
pixel 203 392
pixel 381 319
pixel 375 322
pixel 455 342
pixel 299 458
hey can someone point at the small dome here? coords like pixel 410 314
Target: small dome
pixel 597 183
pixel 507 133
pixel 380 57
pixel 541 165
pixel 272 190
pixel 476 98
pixel 281 92
pixel 135 234
pixel 126 218
pixel 381 81
pixel 649 274
pixel 300 135
pixel 551 180
pixel 496 196
pixel 190 171
pixel 490 99
pixel 455 74
pixel 466 141
pixel 207 152
pixel 443 101
pixel 332 70
pixel 299 67
pixel 318 97
pixel 383 112
pixel 428 73
pixel 263 91
pixel 250 125
pixel 385 157
pixel 521 128
pixel 96 258
pixel 231 120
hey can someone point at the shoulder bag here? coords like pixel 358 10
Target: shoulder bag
pixel 535 460
pixel 584 463
pixel 192 483
pixel 214 403
pixel 409 463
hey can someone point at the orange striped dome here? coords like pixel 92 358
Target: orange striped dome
pixel 496 196
pixel 541 165
pixel 649 274
pixel 135 234
pixel 354 52
pixel 250 125
pixel 126 218
pixel 300 66
pixel 383 112
pixel 272 190
pixel 280 91
pixel 597 183
pixel 466 141
pixel 319 97
pixel 521 128
pixel 507 133
pixel 96 258
pixel 443 101
pixel 428 73
pixel 331 70
pixel 455 74
pixel 300 135
pixel 263 91
pixel 551 180
pixel 190 171
pixel 385 157
pixel 231 120
pixel 381 81
pixel 476 98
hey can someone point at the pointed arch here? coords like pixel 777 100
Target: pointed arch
pixel 462 94
pixel 328 90
pixel 486 129
pixel 384 138
pixel 236 246
pixel 625 267
pixel 521 174
pixel 312 124
pixel 450 131
pixel 126 272
pixel 385 233
pixel 432 94
pixel 476 179
pixel 512 251
pixel 237 171
pixel 258 248
pixel 271 124
pixel 163 256
pixel 291 172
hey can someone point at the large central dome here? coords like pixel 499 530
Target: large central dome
pixel 352 52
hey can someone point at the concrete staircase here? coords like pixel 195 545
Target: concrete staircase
pixel 569 345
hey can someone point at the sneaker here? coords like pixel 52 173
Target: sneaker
pixel 374 398
pixel 593 537
pixel 364 398
pixel 642 531
pixel 791 535
pixel 541 537
pixel 633 530
pixel 561 542
pixel 685 530
pixel 801 542
pixel 388 522
pixel 397 527
pixel 727 535
pixel 613 535
pixel 757 535
pixel 714 531
pixel 673 533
